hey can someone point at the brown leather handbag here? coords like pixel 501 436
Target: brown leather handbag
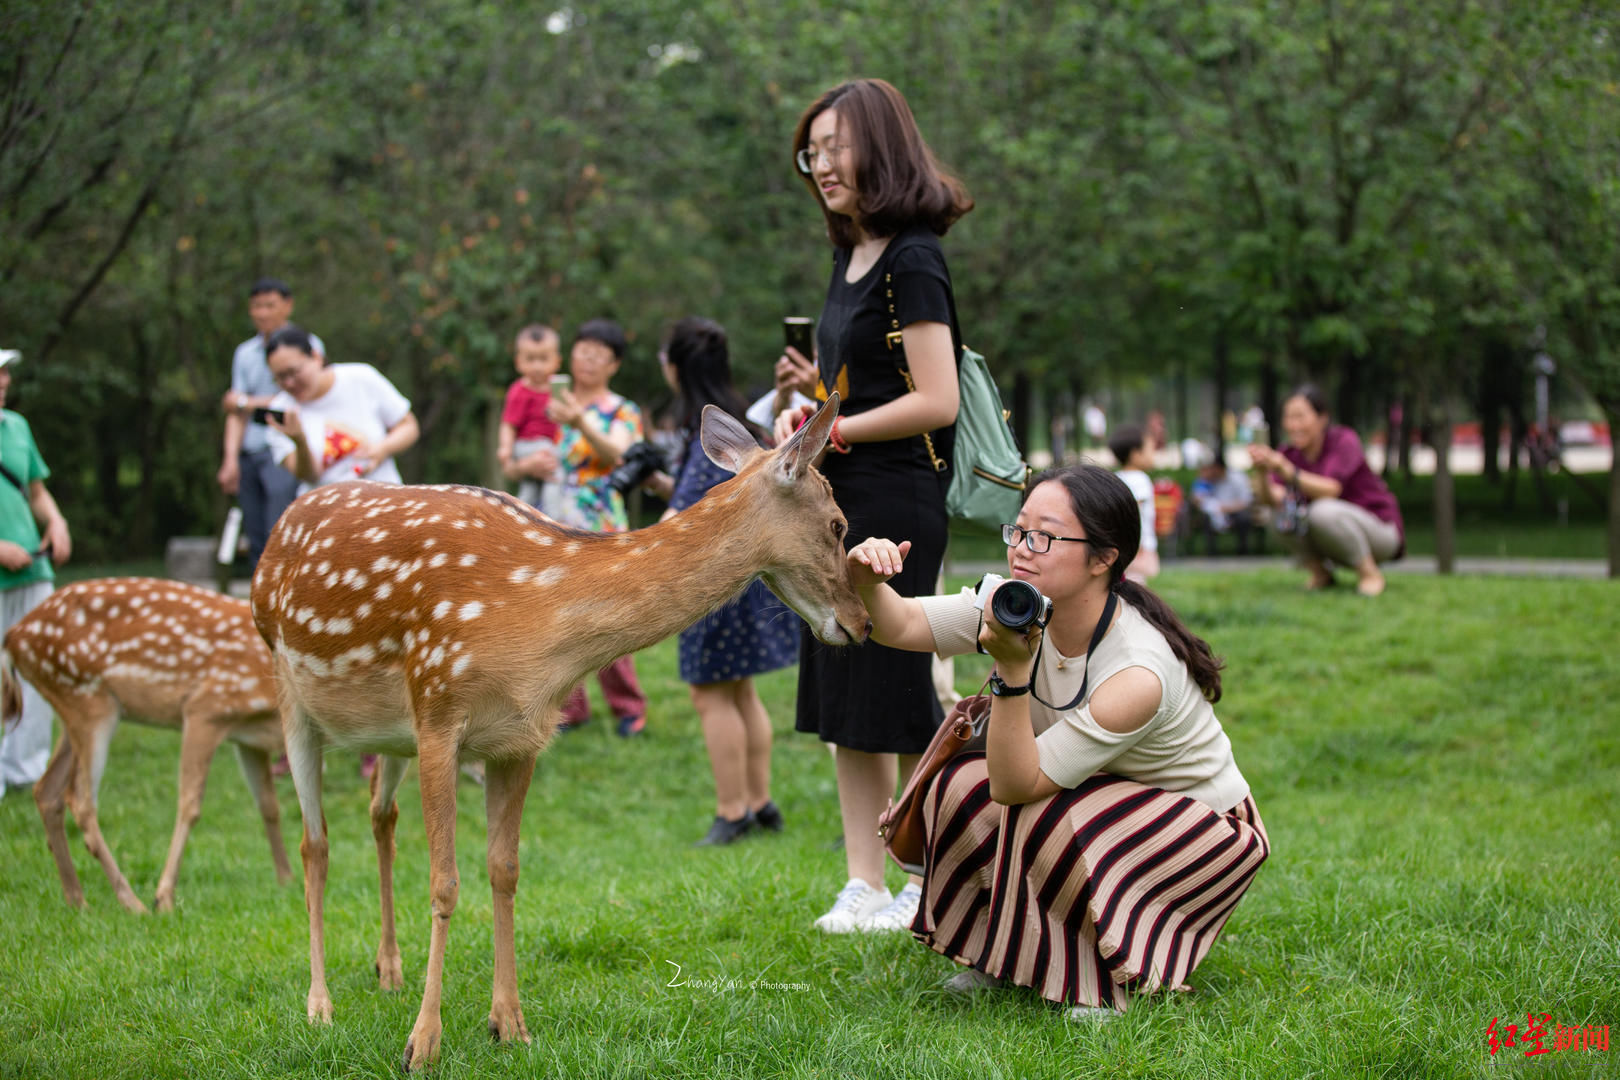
pixel 901 825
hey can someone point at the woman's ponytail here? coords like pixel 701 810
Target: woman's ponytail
pixel 1108 511
pixel 1190 649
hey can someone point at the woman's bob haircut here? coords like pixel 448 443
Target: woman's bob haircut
pixel 898 180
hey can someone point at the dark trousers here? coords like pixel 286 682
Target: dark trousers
pixel 1239 524
pixel 265 490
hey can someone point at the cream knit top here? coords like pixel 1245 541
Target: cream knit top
pixel 1182 748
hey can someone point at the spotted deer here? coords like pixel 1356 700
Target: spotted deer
pixel 451 623
pixel 161 653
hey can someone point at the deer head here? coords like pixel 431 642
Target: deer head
pixel 803 531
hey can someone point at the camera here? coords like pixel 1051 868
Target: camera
pixel 639 462
pixel 1017 605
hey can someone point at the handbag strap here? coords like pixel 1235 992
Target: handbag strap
pixel 1085 678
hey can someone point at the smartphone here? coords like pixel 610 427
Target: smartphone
pixel 260 415
pixel 799 332
pixel 562 384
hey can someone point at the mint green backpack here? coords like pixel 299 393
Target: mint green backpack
pixel 987 471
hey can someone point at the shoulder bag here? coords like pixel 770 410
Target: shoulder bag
pixel 986 485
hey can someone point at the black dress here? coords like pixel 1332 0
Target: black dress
pixel 870 697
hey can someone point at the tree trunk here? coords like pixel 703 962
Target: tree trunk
pixel 1223 375
pixel 1612 415
pixel 1022 402
pixel 1268 398
pixel 1405 447
pixel 1445 495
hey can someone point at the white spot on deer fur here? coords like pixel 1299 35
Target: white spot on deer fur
pixel 441 609
pixel 471 611
pixel 460 665
pixel 381 563
pixel 520 575
pixel 332 579
pixel 383 591
pixel 468 559
pixel 340 626
pixel 323 566
pixel 571 548
pixel 438 560
pixel 363 610
pixel 376 510
pixel 550 575
pixel 316 626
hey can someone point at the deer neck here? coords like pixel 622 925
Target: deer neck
pixel 663 578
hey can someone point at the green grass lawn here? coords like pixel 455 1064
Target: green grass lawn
pixel 1438 771
pixel 1487 525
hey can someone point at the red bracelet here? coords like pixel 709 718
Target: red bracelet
pixel 838 444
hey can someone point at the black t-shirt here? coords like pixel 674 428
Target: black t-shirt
pixel 908 284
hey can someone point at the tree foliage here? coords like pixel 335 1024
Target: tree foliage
pixel 1370 194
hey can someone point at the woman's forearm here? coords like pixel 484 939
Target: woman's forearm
pixel 897 621
pixel 302 462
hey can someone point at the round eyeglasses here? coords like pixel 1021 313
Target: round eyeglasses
pixel 1037 540
pixel 810 155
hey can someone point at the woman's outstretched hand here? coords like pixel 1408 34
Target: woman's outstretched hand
pixel 876 560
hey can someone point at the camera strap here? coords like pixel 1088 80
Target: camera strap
pixel 1096 638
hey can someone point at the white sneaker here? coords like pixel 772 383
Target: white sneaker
pixel 971 981
pixel 856 901
pixel 1091 1014
pixel 898 915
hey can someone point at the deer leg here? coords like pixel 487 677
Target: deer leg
pixel 304 747
pixel 506 785
pixel 50 795
pixel 90 764
pixel 436 765
pixel 255 764
pixel 199 739
pixel 384 813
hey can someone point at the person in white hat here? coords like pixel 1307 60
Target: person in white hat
pixel 33 537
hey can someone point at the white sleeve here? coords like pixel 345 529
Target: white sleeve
pixel 1076 747
pixel 760 411
pixel 391 404
pixel 954 621
pixel 281 447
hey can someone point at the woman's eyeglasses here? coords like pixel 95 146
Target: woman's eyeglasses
pixel 810 155
pixel 1037 540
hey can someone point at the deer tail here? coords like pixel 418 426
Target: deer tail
pixel 11 699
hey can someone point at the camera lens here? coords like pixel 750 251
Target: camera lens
pixel 1017 605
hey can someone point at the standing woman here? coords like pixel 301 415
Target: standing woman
pixel 888 344
pixel 599 426
pixel 722 652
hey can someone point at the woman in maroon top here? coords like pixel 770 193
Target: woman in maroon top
pixel 1351 517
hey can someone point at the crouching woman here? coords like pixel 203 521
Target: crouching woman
pixel 1099 844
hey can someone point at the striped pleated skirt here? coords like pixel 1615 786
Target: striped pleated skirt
pixel 1089 896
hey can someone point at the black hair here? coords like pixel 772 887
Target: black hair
pixel 1313 397
pixel 900 182
pixel 290 336
pixel 270 284
pixel 1108 513
pixel 696 348
pixel 539 333
pixel 607 332
pixel 1126 440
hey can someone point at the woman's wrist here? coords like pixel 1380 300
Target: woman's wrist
pixel 835 437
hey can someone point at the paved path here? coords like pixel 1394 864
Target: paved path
pixel 1413 564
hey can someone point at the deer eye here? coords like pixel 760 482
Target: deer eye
pixel 839 529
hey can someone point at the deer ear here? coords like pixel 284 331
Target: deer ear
pixel 798 452
pixel 727 442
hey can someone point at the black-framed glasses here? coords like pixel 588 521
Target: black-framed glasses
pixel 1037 540
pixel 807 158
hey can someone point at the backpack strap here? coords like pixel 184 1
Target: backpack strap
pixel 893 340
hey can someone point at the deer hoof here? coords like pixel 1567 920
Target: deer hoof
pixel 164 902
pixel 133 903
pixel 506 1024
pixel 320 1009
pixel 421 1049
pixel 390 972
